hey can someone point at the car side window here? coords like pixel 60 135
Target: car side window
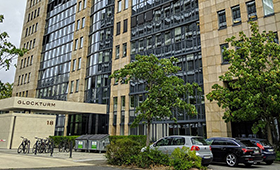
pixel 178 141
pixel 231 143
pixel 164 142
pixel 218 142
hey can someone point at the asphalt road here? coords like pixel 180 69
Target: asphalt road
pixel 262 166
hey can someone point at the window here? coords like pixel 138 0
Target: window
pixel 18 80
pixel 123 102
pixel 268 7
pixel 31 60
pixel 79 63
pixel 27 61
pixel 28 80
pixel 81 42
pixel 118 28
pixel 83 22
pixel 26 32
pixel 80 6
pixel 125 25
pixel 21 64
pixel 76 44
pixel 33 43
pixel 224 56
pixel 72 87
pixel 251 9
pixel 26 94
pixel 222 19
pixel 119 6
pixel 178 34
pixel 36 27
pixel 24 63
pixel 74 65
pixel 117 52
pixel 167 38
pixel 115 104
pixel 124 49
pixel 236 17
pixel 85 3
pixel 77 85
pixel 125 4
pixel 78 25
pixel 38 12
pixel 25 78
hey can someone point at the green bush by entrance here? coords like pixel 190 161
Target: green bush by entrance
pixel 58 139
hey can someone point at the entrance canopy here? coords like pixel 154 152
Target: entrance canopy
pixel 50 106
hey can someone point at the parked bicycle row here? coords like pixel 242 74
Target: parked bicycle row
pixel 43 145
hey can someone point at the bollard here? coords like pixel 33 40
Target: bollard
pixel 36 148
pixel 52 145
pixel 71 145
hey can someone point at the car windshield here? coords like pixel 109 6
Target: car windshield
pixel 247 143
pixel 198 141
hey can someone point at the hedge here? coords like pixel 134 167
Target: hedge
pixel 58 139
pixel 141 139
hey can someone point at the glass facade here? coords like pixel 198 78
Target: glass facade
pixel 57 47
pixel 165 29
pixel 99 59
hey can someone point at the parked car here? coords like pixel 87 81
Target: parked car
pixel 169 143
pixel 233 151
pixel 268 152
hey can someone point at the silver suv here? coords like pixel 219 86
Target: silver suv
pixel 169 143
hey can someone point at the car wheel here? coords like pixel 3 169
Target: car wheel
pixel 268 162
pixel 205 165
pixel 248 164
pixel 231 160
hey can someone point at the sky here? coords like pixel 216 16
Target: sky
pixel 13 11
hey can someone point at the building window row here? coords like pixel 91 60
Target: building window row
pixel 28 61
pixel 33 2
pixel 33 14
pixel 22 94
pixel 80 23
pixel 82 5
pixel 29 45
pixel 72 86
pixel 251 13
pixel 74 64
pixel 120 5
pixel 24 79
pixel 124 51
pixel 77 44
pixel 118 31
pixel 32 29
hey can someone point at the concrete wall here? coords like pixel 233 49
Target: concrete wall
pixel 26 125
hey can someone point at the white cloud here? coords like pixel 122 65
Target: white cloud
pixel 13 11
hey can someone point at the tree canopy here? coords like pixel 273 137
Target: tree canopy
pixel 164 90
pixel 6 90
pixel 8 51
pixel 252 90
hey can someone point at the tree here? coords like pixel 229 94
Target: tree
pixel 6 90
pixel 164 90
pixel 8 51
pixel 253 81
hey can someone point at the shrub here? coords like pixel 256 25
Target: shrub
pixel 184 159
pixel 122 151
pixel 58 139
pixel 141 139
pixel 278 156
pixel 151 157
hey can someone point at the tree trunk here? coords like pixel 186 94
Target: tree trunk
pixel 148 133
pixel 269 135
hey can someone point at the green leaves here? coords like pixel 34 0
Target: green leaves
pixel 6 90
pixel 8 51
pixel 164 90
pixel 252 82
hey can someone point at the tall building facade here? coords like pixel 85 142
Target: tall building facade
pixel 74 46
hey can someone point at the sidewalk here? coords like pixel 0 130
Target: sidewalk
pixel 10 159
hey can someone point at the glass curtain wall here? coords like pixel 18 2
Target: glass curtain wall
pixel 56 54
pixel 165 29
pixel 100 52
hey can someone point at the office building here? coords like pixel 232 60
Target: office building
pixel 74 46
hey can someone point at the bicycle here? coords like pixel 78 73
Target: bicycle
pixel 39 146
pixel 64 146
pixel 24 147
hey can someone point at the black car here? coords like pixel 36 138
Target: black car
pixel 268 152
pixel 233 151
